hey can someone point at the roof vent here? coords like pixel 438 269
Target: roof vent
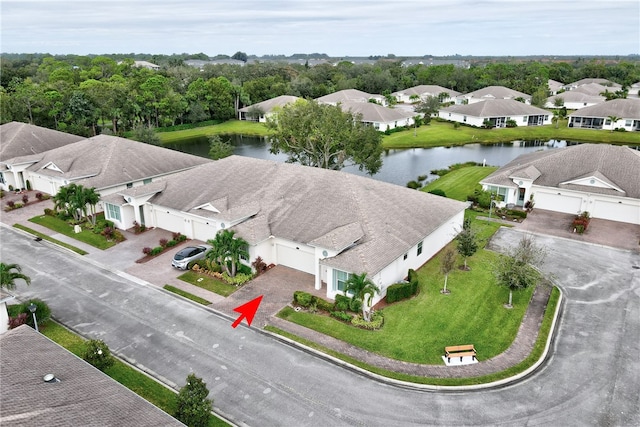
pixel 50 378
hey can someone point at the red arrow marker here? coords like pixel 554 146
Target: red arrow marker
pixel 247 310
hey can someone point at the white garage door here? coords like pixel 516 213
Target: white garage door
pixel 170 222
pixel 295 258
pixel 614 211
pixel 558 203
pixel 203 231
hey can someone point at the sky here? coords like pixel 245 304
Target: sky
pixel 335 27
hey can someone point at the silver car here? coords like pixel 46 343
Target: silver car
pixel 183 257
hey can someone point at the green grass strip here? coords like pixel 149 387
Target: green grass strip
pixel 208 283
pixel 533 357
pixel 136 381
pixel 60 226
pixel 235 127
pixel 460 183
pixel 186 295
pixel 50 239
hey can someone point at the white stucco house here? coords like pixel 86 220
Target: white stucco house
pixel 5 298
pixel 106 163
pixel 327 223
pixel 262 110
pixel 491 93
pixel 22 139
pixel 381 118
pixel 589 82
pixel 422 92
pixel 627 112
pixel 351 95
pixel 601 179
pixel 554 86
pixel 574 100
pixel 498 112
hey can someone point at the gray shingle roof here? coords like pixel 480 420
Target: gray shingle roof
pixel 105 161
pixel 312 206
pixel 376 113
pixel 616 165
pixel 424 90
pixel 496 108
pixel 623 108
pixel 593 89
pixel 576 96
pixel 603 82
pixel 22 139
pixel 497 92
pixel 84 396
pixel 346 95
pixel 270 104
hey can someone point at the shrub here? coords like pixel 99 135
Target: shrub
pixel 18 320
pixel 155 251
pixel 10 187
pixel 238 279
pixel 179 237
pixel 163 243
pixel 49 212
pixel 1 193
pixel 517 214
pixel 244 269
pixel 342 315
pixel 107 232
pixel 43 312
pixel 342 302
pixel 259 265
pixel 376 321
pixel 302 298
pixel 25 199
pixel 193 407
pixel 414 185
pixel 511 123
pixel 323 304
pixel 146 250
pixel 39 196
pixel 11 204
pixel 171 243
pixel 400 291
pixel 98 354
pixel 438 192
pixel 355 305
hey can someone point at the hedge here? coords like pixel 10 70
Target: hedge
pixel 400 291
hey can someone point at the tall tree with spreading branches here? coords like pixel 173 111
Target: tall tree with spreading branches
pixel 325 136
pixel 193 405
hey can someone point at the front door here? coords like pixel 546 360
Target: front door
pixel 521 192
pixel 141 209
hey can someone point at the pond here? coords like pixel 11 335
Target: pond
pixel 399 166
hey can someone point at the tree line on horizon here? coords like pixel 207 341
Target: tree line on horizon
pixel 87 95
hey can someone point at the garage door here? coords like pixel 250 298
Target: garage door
pixel 614 211
pixel 296 258
pixel 167 221
pixel 558 203
pixel 203 231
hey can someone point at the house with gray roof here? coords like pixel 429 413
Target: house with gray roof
pixel 574 100
pixel 554 86
pixel 497 112
pixel 262 110
pixel 603 82
pixel 627 112
pixel 422 92
pixel 601 179
pixel 380 117
pixel 77 395
pixel 327 223
pixel 593 89
pixel 23 139
pixel 350 95
pixel 492 92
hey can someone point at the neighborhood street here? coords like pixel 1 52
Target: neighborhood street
pixel 591 377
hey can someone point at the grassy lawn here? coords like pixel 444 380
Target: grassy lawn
pixel 240 127
pixel 439 134
pixel 60 226
pixel 417 330
pixel 49 239
pixel 141 384
pixel 460 183
pixel 186 295
pixel 207 282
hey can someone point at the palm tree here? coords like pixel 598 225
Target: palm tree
pixel 613 119
pixel 362 289
pixel 9 273
pixel 91 198
pixel 226 247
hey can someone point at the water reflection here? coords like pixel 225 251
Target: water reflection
pixel 399 166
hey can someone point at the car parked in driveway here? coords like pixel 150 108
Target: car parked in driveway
pixel 183 257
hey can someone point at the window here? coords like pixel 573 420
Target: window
pixel 129 185
pixel 464 119
pixel 525 119
pixel 608 122
pixel 1 178
pixel 419 248
pixel 627 123
pixel 113 211
pixel 405 257
pixel 147 181
pixel 500 191
pixel 242 256
pixel 339 280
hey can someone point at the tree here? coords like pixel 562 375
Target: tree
pixel 362 289
pixel 193 406
pixel 219 149
pixel 447 262
pixel 467 242
pixel 227 249
pixel 9 273
pixel 73 200
pixel 427 107
pixel 613 119
pixel 324 136
pixel 240 56
pixel 515 270
pixel 147 134
pixel 98 354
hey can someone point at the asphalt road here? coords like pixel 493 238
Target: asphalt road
pixel 590 379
